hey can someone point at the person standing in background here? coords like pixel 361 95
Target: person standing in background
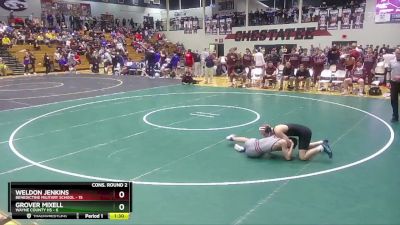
pixel 259 61
pixel 210 62
pixel 387 58
pixel 47 63
pixel 33 62
pixel 231 59
pixel 197 64
pixel 369 65
pixel 204 55
pixel 394 85
pixel 3 68
pixel 247 60
pixel 26 62
pixel 319 61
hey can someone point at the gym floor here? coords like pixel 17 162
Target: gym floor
pixel 169 140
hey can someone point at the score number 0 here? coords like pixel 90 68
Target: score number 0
pixel 121 206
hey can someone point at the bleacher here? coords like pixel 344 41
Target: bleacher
pixel 19 52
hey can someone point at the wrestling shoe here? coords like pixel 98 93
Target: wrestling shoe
pixel 327 148
pixel 239 148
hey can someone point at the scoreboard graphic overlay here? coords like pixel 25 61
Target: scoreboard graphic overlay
pixel 387 11
pixel 75 200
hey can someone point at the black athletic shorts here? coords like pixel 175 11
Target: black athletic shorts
pixel 302 132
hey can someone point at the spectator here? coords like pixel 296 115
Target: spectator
pixel 259 60
pixel 294 58
pixel 247 60
pixel 3 68
pixel 32 59
pixel 57 56
pixel 151 62
pixel 163 57
pixel 319 61
pixel 357 75
pixel 306 59
pixel 270 75
pixel 117 63
pixel 383 49
pixel 63 63
pixel 26 62
pixel 174 63
pixel 288 74
pixel 231 61
pixel 197 64
pixel 303 74
pixel 71 62
pixel 210 62
pixel 333 56
pixel 107 61
pixel 47 63
pixel 394 69
pixel 95 60
pixel 5 41
pixel 50 20
pixel 239 75
pixel 370 62
pixel 355 52
pixel 274 57
pixel 189 61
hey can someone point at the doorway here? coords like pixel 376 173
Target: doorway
pixel 218 48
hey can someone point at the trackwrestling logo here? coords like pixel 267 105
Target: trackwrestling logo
pixel 16 5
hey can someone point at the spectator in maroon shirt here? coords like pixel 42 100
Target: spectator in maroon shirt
pixel 306 59
pixel 357 75
pixel 355 53
pixel 369 65
pixel 231 60
pixel 247 60
pixel 294 58
pixel 318 66
pixel 270 75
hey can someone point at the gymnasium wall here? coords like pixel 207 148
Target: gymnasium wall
pixel 188 12
pixel 372 33
pixel 120 11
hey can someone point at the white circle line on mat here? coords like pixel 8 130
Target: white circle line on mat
pixel 200 129
pixel 120 82
pixel 225 183
pixel 32 89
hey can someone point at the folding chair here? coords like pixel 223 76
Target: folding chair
pixel 380 72
pixel 256 76
pixel 325 80
pixel 337 79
